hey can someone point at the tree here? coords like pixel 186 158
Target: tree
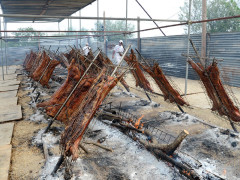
pixel 114 26
pixel 28 35
pixel 215 9
pixel 26 38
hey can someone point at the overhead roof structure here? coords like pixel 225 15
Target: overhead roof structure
pixel 41 7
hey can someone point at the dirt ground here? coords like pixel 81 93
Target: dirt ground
pixel 28 159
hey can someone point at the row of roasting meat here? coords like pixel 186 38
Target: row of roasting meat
pixel 90 92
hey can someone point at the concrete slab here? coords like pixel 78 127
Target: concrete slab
pixel 9 72
pixel 9 83
pixel 10 113
pixel 5 158
pixel 6 131
pixel 8 88
pixel 11 101
pixel 8 77
pixel 8 94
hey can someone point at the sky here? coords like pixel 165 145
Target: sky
pixel 158 9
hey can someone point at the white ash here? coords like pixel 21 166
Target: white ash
pixel 176 117
pixel 135 105
pixel 130 94
pixel 210 144
pixel 38 117
pixel 48 138
pixel 206 168
pixel 124 94
pixel 48 168
pixel 82 172
pixel 218 137
pixel 131 159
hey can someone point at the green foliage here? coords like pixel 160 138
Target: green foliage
pixel 113 26
pixel 26 38
pixel 215 9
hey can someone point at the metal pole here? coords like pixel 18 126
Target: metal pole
pixel 97 19
pixel 75 87
pixel 204 32
pixel 59 33
pixel 104 28
pixel 58 28
pixel 1 49
pixel 68 30
pixel 80 28
pixel 126 21
pixel 150 17
pixel 138 37
pixel 188 44
pixel 6 55
pixel 39 41
pixel 89 18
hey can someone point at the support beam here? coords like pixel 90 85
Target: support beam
pixel 98 20
pixel 1 49
pixel 138 37
pixel 126 26
pixel 89 18
pixel 204 32
pixel 188 44
pixel 150 17
pixel 80 28
pixel 6 42
pixel 104 28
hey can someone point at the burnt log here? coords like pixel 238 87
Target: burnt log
pixel 167 148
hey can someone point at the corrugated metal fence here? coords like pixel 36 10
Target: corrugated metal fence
pixel 226 46
pixel 168 52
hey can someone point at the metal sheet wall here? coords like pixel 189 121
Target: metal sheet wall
pixel 168 50
pixel 226 46
pixel 168 53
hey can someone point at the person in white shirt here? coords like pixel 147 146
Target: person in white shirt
pixel 117 52
pixel 86 49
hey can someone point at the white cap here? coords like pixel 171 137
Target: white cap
pixel 120 41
